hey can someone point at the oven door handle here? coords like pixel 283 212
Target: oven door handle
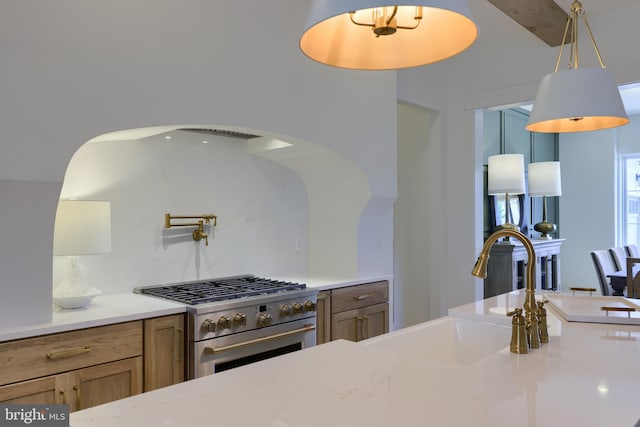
pixel 216 350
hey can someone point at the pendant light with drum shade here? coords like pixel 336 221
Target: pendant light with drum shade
pixel 577 99
pixel 376 35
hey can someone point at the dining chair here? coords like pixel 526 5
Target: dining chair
pixel 633 277
pixel 604 265
pixel 632 251
pixel 619 256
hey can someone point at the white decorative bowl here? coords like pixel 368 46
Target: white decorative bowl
pixel 65 301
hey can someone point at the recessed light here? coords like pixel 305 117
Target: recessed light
pixel 167 137
pixel 205 142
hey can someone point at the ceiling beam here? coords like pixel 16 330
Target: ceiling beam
pixel 544 18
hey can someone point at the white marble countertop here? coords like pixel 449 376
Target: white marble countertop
pixel 322 283
pixel 109 309
pixel 103 310
pixel 453 371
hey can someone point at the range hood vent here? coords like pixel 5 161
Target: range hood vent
pixel 221 132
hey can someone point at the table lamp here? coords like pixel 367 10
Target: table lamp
pixel 544 181
pixel 506 176
pixel 82 227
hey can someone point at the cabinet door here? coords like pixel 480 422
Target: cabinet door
pixel 376 320
pixel 105 383
pixel 164 350
pixel 41 390
pixel 323 320
pixel 346 325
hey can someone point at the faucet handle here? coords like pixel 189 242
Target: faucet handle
pixel 515 313
pixel 519 343
pixel 199 234
pixel 542 321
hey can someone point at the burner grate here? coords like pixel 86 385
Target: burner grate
pixel 194 293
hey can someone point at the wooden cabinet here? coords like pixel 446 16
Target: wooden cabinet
pixel 359 312
pixel 323 321
pixel 88 367
pixel 41 390
pixel 164 350
pixel 82 388
pixel 507 266
pixel 360 324
pixel 80 368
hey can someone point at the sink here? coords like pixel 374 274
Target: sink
pixel 448 340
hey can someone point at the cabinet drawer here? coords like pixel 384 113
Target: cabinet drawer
pixel 51 354
pixel 359 296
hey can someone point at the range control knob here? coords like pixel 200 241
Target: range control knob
pixel 297 308
pixel 285 310
pixel 264 319
pixel 209 325
pixel 239 319
pixel 309 306
pixel 224 322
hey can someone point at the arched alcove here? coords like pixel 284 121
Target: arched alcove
pixel 284 206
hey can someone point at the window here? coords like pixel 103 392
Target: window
pixel 631 198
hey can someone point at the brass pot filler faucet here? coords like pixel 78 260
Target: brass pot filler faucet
pixel 198 233
pixel 530 330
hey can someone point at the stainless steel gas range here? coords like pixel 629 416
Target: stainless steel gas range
pixel 234 321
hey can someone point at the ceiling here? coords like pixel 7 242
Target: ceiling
pixel 593 8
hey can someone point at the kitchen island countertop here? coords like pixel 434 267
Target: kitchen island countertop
pixel 451 371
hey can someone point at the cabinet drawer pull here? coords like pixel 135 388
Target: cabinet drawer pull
pixel 68 353
pixel 627 310
pixel 590 290
pixel 365 327
pixel 64 397
pixel 179 344
pixel 361 297
pixel 77 389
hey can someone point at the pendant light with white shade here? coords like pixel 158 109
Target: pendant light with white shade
pixel 376 35
pixel 577 99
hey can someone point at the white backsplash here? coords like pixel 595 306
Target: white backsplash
pixel 262 211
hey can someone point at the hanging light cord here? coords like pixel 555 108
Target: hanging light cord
pixel 576 9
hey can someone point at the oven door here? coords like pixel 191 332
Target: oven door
pixel 230 351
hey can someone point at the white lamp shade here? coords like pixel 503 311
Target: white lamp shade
pixel 577 100
pixel 544 179
pixel 82 227
pixel 506 174
pixel 330 37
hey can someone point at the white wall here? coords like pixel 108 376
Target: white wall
pixel 588 202
pixel 73 70
pixel 418 187
pixel 629 136
pixel 589 205
pixel 340 203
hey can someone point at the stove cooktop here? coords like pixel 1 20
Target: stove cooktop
pixel 214 290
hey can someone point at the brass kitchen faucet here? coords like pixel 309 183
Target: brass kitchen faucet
pixel 536 331
pixel 199 233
